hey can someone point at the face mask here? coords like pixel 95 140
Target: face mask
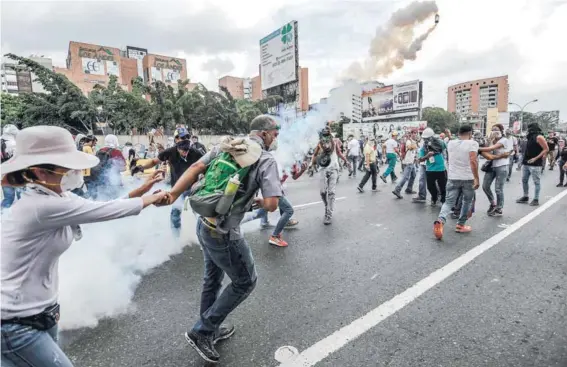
pixel 497 134
pixel 73 179
pixel 273 146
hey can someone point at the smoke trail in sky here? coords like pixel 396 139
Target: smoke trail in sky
pixel 394 43
pixel 99 273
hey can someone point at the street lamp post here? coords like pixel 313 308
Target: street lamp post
pixel 522 112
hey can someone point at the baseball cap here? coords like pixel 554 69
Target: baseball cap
pixel 264 123
pixel 394 133
pixel 180 132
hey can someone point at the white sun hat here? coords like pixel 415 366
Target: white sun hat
pixel 47 145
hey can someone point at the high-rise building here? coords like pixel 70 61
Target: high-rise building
pixel 251 88
pixel 17 79
pixel 472 99
pixel 89 64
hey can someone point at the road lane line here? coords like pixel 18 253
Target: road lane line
pixel 315 203
pixel 325 347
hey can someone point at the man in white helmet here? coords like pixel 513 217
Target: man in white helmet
pixel 436 174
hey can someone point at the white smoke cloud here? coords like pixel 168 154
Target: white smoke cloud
pixel 100 272
pixel 394 43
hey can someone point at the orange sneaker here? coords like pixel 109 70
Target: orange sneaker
pixel 438 229
pixel 278 241
pixel 461 228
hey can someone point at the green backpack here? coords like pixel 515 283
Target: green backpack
pixel 208 191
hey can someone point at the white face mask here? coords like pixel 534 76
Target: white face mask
pixel 273 146
pixel 73 179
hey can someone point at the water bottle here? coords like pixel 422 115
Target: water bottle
pixel 225 202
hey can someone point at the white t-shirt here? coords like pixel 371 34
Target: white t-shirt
pixel 354 148
pixel 391 144
pixel 410 154
pixel 508 147
pixel 459 160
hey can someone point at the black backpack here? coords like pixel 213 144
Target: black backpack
pixel 5 155
pixel 100 169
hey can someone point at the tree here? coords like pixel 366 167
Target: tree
pixel 12 109
pixel 438 119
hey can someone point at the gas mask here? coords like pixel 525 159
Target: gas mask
pixel 273 146
pixel 496 134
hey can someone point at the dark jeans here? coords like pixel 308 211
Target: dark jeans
pixel 222 255
pixel 372 172
pixel 434 179
pixel 353 159
pixel 562 172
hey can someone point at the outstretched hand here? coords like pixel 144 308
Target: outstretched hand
pixel 167 199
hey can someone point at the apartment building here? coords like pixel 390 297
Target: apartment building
pixel 475 97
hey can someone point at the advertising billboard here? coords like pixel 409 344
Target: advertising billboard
pixel 156 74
pixel 392 101
pixel 171 76
pixel 383 129
pixel 278 56
pixel 24 80
pixel 92 66
pixel 112 68
pixel 406 95
pixel 138 54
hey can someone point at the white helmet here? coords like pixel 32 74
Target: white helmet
pixel 427 133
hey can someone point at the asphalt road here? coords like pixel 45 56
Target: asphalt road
pixel 507 307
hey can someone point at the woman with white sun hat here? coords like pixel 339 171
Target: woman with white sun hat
pixel 40 227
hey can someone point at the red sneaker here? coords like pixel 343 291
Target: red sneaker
pixel 278 241
pixel 461 228
pixel 438 229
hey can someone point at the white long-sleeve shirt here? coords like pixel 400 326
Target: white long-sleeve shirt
pixel 35 234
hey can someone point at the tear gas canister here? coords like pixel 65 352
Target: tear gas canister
pixel 226 200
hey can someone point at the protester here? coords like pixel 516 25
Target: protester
pixel 180 158
pixel 513 154
pixel 432 154
pixel 463 180
pixel 552 143
pixel 501 147
pixel 408 162
pixel 224 248
pixel 422 188
pixel 353 154
pixel 369 165
pixel 391 151
pixel 106 178
pixel 41 227
pixel 327 155
pixel 197 145
pixel 9 194
pixel 562 165
pixel 532 163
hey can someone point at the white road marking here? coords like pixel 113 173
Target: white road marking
pixel 503 225
pixel 374 276
pixel 315 203
pixel 323 348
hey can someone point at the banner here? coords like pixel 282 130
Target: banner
pixel 278 53
pixel 406 95
pixel 92 66
pixel 382 129
pixel 171 76
pixel 377 102
pixel 156 74
pixel 112 68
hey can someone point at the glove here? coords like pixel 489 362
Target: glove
pixel 137 169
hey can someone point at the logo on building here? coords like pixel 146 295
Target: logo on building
pixel 287 37
pixel 168 64
pixel 102 53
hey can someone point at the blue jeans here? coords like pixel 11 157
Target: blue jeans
pixel 499 174
pixel 392 158
pixel 222 255
pixel 535 172
pixel 422 194
pixel 455 188
pixel 409 177
pixel 10 194
pixel 24 346
pixel 175 216
pixel 286 212
pixel 353 159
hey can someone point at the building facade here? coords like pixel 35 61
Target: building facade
pixel 16 79
pixel 90 64
pixel 251 88
pixel 471 100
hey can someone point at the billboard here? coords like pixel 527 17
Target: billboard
pixel 138 54
pixel 278 56
pixel 383 129
pixel 24 80
pixel 112 68
pixel 406 95
pixel 171 76
pixel 392 101
pixel 92 66
pixel 156 74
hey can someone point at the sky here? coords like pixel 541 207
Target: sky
pixel 524 39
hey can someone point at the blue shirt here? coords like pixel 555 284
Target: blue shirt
pixel 435 163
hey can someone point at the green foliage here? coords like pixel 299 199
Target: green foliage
pixel 145 107
pixel 438 119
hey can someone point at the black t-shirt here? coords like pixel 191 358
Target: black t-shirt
pixel 552 143
pixel 178 164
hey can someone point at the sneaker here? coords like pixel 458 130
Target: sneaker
pixel 461 228
pixel 438 229
pixel 455 215
pixel 383 178
pixel 277 241
pixel 291 223
pixel 559 185
pixel 433 203
pixel 497 212
pixel 267 225
pixel 374 190
pixel 411 192
pixel 565 185
pixel 203 345
pixel 490 209
pixel 534 202
pixel 418 200
pixel 508 179
pixel 360 189
pixel 397 194
pixel 327 220
pixel 225 332
pixel 523 200
pixel 394 181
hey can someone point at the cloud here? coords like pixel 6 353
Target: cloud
pixel 218 65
